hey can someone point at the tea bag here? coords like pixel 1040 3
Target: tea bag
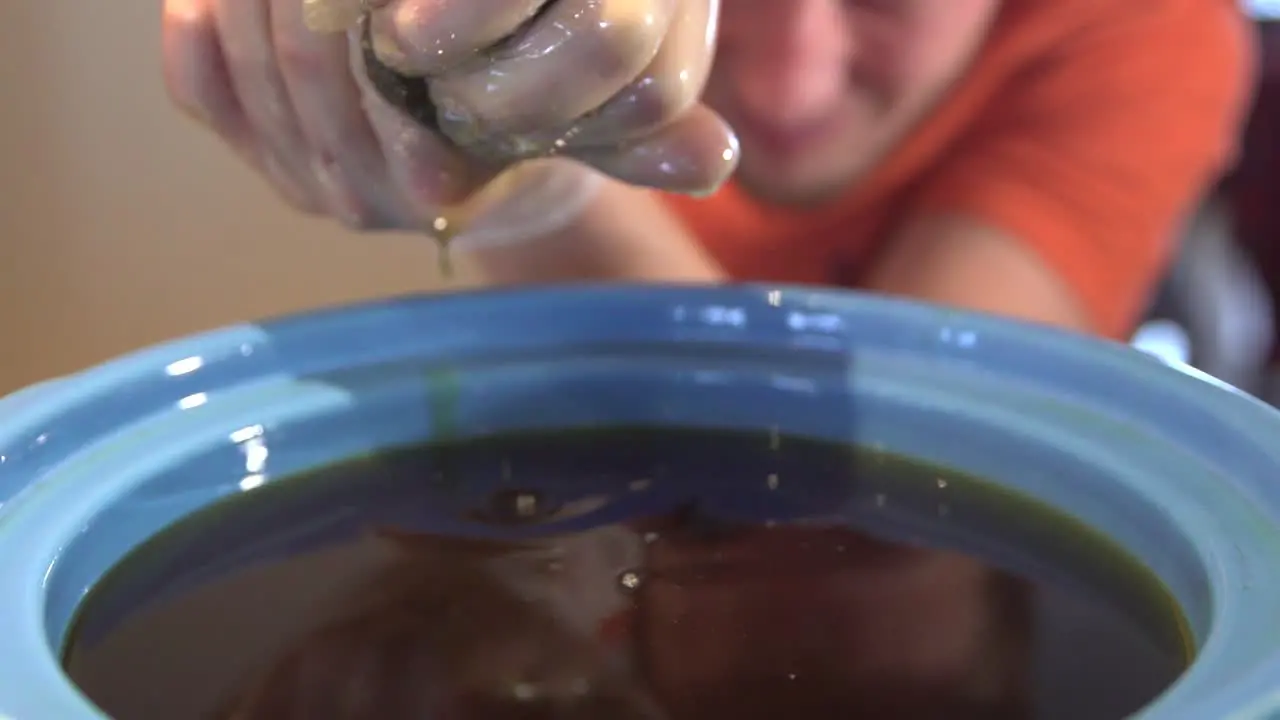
pixel 332 16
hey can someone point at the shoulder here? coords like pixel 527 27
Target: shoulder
pixel 1163 82
pixel 1091 129
pixel 1047 24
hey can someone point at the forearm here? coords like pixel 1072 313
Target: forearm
pixel 961 263
pixel 624 233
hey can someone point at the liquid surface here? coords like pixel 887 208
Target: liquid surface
pixel 618 575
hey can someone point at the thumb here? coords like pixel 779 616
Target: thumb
pixel 694 155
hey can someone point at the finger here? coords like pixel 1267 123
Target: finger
pixel 425 170
pixel 244 27
pixel 667 88
pixel 345 158
pixel 426 37
pixel 195 71
pixel 570 61
pixel 693 155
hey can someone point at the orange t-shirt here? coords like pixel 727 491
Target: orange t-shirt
pixel 1084 128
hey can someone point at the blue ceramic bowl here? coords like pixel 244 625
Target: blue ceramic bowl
pixel 1182 472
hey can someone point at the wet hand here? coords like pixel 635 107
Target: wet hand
pixel 610 85
pixel 613 83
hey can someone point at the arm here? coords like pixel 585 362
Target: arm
pixel 1065 207
pixel 952 260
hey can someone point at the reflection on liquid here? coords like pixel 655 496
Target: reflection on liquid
pixel 617 574
pixel 668 619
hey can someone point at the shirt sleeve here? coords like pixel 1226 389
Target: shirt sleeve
pixel 1094 155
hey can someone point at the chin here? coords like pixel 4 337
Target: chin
pixel 803 177
pixel 790 186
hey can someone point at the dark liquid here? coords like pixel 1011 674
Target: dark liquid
pixel 614 575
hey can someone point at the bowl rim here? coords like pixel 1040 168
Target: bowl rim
pixel 955 333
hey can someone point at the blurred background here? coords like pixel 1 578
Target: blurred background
pixel 124 224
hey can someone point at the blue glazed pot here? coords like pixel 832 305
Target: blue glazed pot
pixel 1182 472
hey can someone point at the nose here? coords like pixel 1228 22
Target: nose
pixel 785 60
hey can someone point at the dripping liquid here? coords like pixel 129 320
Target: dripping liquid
pixel 444 229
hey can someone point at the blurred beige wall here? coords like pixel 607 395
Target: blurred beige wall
pixel 123 223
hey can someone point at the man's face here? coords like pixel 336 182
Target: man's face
pixel 819 90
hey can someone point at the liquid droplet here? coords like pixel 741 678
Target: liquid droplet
pixel 444 230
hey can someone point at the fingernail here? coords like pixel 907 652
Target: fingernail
pixel 384 38
pixel 331 16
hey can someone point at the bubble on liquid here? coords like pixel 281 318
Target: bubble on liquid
pixel 517 506
pixel 629 581
pixel 772 481
pixel 526 505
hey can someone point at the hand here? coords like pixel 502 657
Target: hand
pixel 604 84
